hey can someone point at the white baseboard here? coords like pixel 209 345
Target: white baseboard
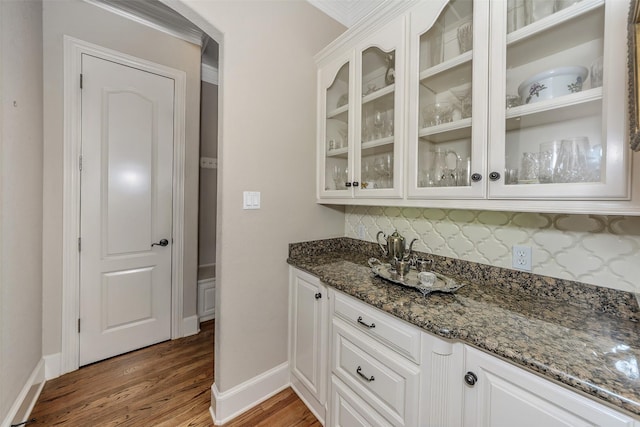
pixel 190 325
pixel 26 400
pixel 228 405
pixel 52 366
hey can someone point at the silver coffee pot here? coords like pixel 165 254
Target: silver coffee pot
pixel 395 247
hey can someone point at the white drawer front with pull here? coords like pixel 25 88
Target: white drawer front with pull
pixel 379 376
pixel 403 338
pixel 348 410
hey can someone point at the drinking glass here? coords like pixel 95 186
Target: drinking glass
pixel 528 169
pixel 571 165
pixel 548 158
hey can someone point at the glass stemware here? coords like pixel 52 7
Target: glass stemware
pixel 462 93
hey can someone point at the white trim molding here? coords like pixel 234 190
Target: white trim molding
pixel 52 366
pixel 26 400
pixel 229 404
pixel 73 51
pixel 209 74
pixel 190 325
pixel 206 299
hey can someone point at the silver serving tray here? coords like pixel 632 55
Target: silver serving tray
pixel 410 279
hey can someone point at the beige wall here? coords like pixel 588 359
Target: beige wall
pixel 267 144
pixel 92 24
pixel 20 196
pixel 208 177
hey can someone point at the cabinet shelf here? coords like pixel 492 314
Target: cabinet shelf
pixel 377 146
pixel 452 131
pixel 555 20
pixel 560 109
pixel 378 93
pixel 340 110
pixel 446 65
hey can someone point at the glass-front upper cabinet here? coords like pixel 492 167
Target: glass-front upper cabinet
pixel 557 113
pixel 334 146
pixel 361 123
pixel 448 117
pixel 379 135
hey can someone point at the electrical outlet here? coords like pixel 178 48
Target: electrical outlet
pixel 361 231
pixel 522 258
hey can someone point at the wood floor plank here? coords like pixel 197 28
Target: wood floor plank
pixel 164 385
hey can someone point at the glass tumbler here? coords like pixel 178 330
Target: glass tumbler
pixel 547 160
pixel 572 165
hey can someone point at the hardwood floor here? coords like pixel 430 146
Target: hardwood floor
pixel 167 384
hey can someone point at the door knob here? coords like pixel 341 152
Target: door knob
pixel 163 242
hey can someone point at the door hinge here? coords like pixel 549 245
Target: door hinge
pixel 78 325
pixel 80 163
pixel 80 81
pixel 79 244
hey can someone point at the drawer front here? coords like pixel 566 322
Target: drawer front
pixel 379 376
pixel 348 410
pixel 401 337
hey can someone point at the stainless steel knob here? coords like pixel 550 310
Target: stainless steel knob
pixel 470 378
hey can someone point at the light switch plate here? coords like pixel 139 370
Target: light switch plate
pixel 251 200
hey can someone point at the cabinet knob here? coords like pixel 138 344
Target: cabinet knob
pixel 470 378
pixel 318 295
pixel 494 176
pixel 356 184
pixel 347 184
pixel 476 177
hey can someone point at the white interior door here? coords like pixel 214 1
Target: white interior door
pixel 126 206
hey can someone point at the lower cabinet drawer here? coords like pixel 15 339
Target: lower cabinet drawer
pixel 348 410
pixel 381 377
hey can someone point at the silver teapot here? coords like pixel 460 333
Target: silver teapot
pixel 395 246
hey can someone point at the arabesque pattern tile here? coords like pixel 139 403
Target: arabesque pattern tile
pixel 599 250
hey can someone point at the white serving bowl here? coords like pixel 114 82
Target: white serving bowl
pixel 552 83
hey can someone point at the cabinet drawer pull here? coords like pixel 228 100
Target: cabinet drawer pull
pixel 359 372
pixel 371 326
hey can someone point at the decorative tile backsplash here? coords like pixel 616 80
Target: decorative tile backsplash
pixel 594 249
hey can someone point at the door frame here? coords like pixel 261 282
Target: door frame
pixel 73 51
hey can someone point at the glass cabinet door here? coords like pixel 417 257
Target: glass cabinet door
pixel 379 149
pixel 334 144
pixel 558 132
pixel 448 123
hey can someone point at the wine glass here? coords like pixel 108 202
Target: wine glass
pixel 378 122
pixel 463 94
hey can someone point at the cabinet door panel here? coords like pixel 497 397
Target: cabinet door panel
pixel 380 134
pixel 308 336
pixel 556 129
pixel 447 118
pixel 335 106
pixel 505 395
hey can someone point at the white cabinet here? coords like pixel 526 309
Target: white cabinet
pixel 308 325
pixel 361 101
pixel 487 124
pixel 355 365
pixel 504 396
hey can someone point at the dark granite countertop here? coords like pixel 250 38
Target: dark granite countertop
pixel 591 343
